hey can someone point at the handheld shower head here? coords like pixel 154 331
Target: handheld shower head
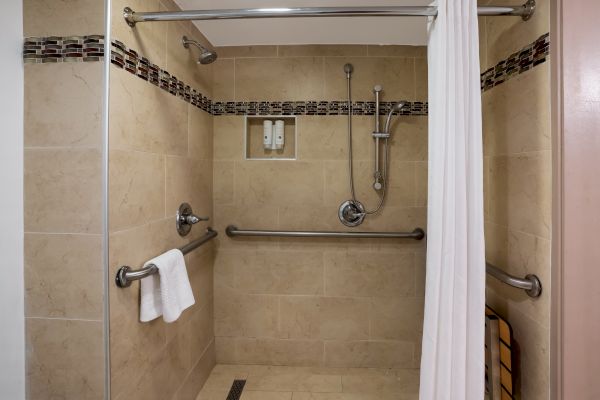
pixel 398 106
pixel 395 108
pixel 206 56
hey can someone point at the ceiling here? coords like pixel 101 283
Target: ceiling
pixel 340 30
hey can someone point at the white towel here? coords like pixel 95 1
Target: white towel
pixel 167 293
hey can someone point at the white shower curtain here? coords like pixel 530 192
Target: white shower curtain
pixel 452 363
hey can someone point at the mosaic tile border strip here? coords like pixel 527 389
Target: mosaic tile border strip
pixel 530 56
pixel 91 48
pixel 128 59
pixel 312 108
pixel 55 49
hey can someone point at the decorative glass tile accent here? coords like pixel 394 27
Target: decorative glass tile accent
pixel 91 48
pixel 55 49
pixel 128 59
pixel 311 108
pixel 534 54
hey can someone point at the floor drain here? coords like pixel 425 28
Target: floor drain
pixel 236 389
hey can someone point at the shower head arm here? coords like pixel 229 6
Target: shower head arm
pixel 186 43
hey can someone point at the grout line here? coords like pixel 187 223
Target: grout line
pixel 416 183
pixel 523 153
pixel 415 274
pixel 189 118
pixel 75 148
pixel 194 366
pixel 66 319
pixel 312 340
pixel 100 234
pixel 324 272
pixel 310 295
pixel 415 77
pixel 279 331
pixel 485 42
pixel 509 229
pixel 324 77
pixel 234 79
pixel 145 224
pixel 370 333
pixel 133 150
pixel 165 187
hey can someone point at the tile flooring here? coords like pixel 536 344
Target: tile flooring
pixel 306 383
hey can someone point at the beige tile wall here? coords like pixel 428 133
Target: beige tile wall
pixel 289 302
pixel 518 165
pixel 160 156
pixel 321 302
pixel 63 211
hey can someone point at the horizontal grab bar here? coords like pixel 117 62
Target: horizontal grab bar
pixel 531 283
pixel 417 234
pixel 125 275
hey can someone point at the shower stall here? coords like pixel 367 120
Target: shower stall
pixel 292 174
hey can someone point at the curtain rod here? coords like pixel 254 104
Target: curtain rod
pixel 131 17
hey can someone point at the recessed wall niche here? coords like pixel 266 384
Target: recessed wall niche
pixel 270 137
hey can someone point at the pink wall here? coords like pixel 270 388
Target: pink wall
pixel 580 195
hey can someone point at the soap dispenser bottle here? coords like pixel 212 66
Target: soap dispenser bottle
pixel 279 135
pixel 268 134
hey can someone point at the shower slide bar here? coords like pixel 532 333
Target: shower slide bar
pixel 125 275
pixel 524 11
pixel 417 234
pixel 531 283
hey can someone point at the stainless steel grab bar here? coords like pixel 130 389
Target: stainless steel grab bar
pixel 125 275
pixel 531 283
pixel 417 234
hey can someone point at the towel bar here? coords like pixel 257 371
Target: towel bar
pixel 125 275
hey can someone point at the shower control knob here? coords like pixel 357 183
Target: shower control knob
pixel 377 88
pixel 193 219
pixel 351 213
pixel 377 185
pixel 185 218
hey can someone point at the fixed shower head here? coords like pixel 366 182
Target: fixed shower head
pixel 348 69
pixel 395 108
pixel 206 56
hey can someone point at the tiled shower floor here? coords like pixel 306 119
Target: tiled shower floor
pixel 304 383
